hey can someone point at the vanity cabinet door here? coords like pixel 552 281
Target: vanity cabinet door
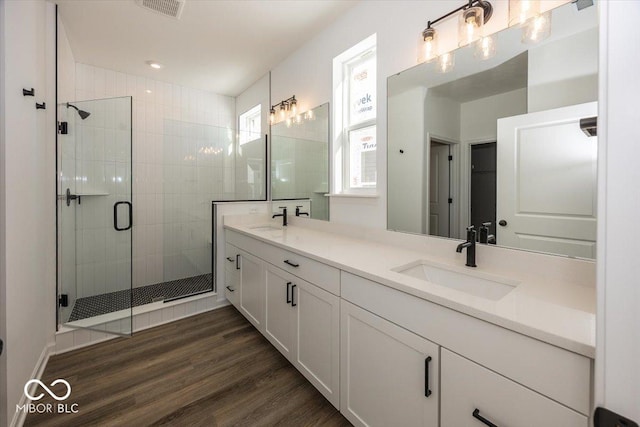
pixel 252 289
pixel 317 329
pixel 231 275
pixel 471 393
pixel 280 314
pixel 389 376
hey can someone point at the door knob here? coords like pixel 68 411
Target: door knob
pixel 502 223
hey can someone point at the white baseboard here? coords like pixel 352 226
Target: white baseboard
pixel 19 416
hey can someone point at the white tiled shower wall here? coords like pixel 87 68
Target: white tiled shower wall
pixel 182 156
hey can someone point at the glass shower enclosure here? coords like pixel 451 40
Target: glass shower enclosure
pixel 95 215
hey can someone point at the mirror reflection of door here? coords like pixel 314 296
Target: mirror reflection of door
pixel 439 189
pixel 483 185
pixel 547 171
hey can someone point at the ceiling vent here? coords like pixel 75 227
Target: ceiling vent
pixel 171 8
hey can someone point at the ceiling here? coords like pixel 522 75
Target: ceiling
pixel 219 46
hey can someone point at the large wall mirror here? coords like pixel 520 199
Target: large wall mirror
pixel 300 163
pixel 506 143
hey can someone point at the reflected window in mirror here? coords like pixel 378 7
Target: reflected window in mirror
pixel 498 143
pixel 300 164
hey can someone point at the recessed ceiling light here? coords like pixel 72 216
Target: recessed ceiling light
pixel 148 90
pixel 154 65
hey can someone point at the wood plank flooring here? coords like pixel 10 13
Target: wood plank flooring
pixel 213 369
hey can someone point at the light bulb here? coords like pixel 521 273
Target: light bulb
pixel 294 107
pixel 520 11
pixel 428 45
pixel 486 47
pixel 272 115
pixel 282 112
pixel 445 62
pixel 470 25
pixel 310 115
pixel 538 28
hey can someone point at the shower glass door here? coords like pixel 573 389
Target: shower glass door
pixel 95 215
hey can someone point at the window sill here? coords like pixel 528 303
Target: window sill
pixel 354 195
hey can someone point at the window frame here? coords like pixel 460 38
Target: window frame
pixel 244 136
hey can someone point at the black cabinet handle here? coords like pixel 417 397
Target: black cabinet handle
pixel 115 216
pixel 29 92
pixel 476 415
pixel 427 390
pixel 42 106
pixel 288 292
pixel 230 290
pixel 293 295
pixel 238 262
pixel 230 259
pixel 291 263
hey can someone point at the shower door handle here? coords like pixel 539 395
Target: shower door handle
pixel 115 216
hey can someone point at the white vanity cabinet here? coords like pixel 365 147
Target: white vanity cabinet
pixel 385 357
pixel 389 376
pixel 252 289
pixel 297 315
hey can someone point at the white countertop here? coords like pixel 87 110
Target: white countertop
pixel 561 314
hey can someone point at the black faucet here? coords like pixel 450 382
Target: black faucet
pixel 470 245
pixel 298 213
pixel 484 236
pixel 283 215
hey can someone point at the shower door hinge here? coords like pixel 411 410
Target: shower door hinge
pixel 450 200
pixel 63 128
pixel 63 300
pixel 450 157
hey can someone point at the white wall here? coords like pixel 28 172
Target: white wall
pixel 181 161
pixel 3 245
pixel 617 384
pixel 407 124
pixel 479 118
pixel 28 167
pixel 564 72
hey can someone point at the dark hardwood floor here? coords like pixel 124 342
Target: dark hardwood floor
pixel 212 369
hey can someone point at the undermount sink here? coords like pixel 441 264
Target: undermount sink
pixel 472 282
pixel 265 228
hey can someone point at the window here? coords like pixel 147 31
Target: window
pixel 356 100
pixel 249 125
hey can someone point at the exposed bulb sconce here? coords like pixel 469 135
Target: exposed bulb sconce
pixel 428 49
pixel 475 13
pixel 470 25
pixel 287 109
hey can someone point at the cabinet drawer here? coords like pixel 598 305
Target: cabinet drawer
pixel 321 275
pixel 467 388
pixel 554 372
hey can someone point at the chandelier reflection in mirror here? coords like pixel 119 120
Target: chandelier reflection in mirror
pixel 472 17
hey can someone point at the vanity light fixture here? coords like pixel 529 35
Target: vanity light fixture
pixel 289 105
pixel 475 13
pixel 470 25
